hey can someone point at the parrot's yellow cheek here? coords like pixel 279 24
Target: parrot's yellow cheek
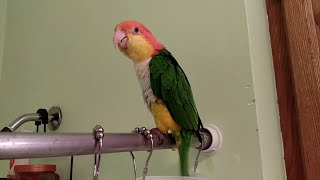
pixel 138 48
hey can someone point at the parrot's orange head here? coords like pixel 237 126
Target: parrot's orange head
pixel 135 41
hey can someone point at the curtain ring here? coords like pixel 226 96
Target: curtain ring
pixel 98 133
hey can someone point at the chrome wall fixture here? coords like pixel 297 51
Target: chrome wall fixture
pixel 54 117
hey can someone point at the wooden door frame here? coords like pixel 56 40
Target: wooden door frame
pixel 293 27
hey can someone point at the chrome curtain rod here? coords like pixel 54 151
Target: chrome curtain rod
pixel 35 145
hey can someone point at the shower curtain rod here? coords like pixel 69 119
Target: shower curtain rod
pixel 34 145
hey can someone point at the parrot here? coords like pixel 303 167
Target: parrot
pixel 165 88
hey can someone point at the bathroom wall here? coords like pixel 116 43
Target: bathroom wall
pixel 61 53
pixel 3 12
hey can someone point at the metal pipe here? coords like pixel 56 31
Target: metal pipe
pixel 23 119
pixel 33 145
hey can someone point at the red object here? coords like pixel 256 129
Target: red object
pixel 11 163
pixel 10 174
pixel 36 172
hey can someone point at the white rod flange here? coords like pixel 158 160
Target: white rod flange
pixel 216 140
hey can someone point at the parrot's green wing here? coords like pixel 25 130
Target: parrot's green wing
pixel 169 83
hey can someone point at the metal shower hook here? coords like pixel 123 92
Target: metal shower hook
pixel 98 133
pixel 196 163
pixel 145 170
pixel 136 130
pixel 149 135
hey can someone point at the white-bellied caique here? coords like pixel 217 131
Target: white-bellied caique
pixel 165 86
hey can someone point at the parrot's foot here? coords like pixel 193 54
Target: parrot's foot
pixel 157 132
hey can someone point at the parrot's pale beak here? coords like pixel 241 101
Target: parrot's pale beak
pixel 120 39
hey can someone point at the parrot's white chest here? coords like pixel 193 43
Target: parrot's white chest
pixel 143 74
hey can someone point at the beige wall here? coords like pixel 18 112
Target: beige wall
pixel 61 53
pixel 3 12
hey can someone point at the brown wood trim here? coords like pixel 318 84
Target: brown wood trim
pixel 316 14
pixel 286 99
pixel 305 62
pixel 297 49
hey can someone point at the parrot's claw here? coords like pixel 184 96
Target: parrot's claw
pixel 158 133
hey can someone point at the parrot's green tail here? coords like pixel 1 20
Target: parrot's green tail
pixel 184 152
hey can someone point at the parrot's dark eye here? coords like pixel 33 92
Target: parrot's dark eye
pixel 136 30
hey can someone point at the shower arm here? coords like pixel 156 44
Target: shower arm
pixel 53 116
pixel 33 145
pixel 21 120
